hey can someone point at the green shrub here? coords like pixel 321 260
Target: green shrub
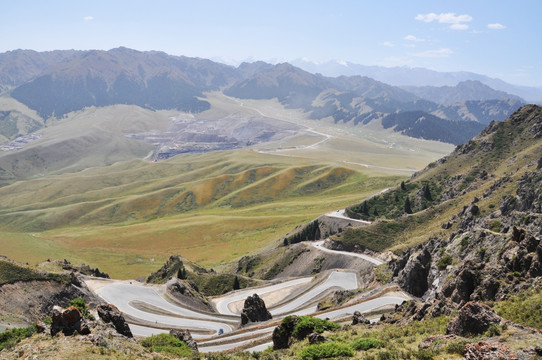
pixel 366 344
pixel 444 261
pixel 495 226
pixel 457 347
pixel 494 330
pixel 167 343
pixel 309 324
pixel 424 354
pixel 80 304
pixel 11 337
pixel 464 243
pixel 325 351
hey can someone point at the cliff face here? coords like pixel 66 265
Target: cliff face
pixel 492 247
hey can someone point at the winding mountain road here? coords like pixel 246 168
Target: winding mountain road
pixel 146 307
pixel 320 246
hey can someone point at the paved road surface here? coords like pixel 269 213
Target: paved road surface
pixel 122 294
pixel 319 246
pixel 337 279
pixel 222 303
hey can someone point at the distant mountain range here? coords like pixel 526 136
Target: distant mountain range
pixel 58 82
pixel 407 76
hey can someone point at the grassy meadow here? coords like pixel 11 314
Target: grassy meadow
pixel 126 215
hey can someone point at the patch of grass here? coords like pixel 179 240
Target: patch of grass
pixel 326 351
pixel 383 273
pixel 524 309
pixel 11 337
pixel 211 284
pixel 378 236
pixel 10 273
pixel 168 344
pixel 366 344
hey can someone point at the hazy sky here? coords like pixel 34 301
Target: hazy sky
pixel 497 38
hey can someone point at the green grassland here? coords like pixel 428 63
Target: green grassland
pixel 110 209
pixel 128 219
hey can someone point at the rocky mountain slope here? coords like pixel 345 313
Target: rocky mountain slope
pixel 475 214
pixel 361 100
pixel 123 76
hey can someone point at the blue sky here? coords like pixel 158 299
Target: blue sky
pixel 496 38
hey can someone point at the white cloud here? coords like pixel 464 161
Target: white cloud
pixel 413 38
pixel 457 21
pixel 459 26
pixel 388 44
pixel 88 18
pixel 496 26
pixel 440 53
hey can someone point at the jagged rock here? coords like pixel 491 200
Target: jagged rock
pixel 483 350
pixel 473 319
pixel 174 285
pixel 282 335
pixel 185 336
pixel 40 326
pixel 413 278
pixel 359 318
pixel 68 321
pixel 315 338
pixel 507 205
pixel 254 310
pixel 536 265
pixel 461 286
pixel 109 313
pixel 489 288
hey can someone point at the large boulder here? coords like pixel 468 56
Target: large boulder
pixel 474 318
pixel 414 276
pixel 254 310
pixel 185 336
pixel 315 338
pixel 359 318
pixel 69 321
pixel 109 313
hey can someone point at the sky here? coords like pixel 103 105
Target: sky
pixel 498 38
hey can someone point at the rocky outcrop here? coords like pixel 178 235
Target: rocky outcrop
pixel 69 321
pixel 83 269
pixel 185 336
pixel 185 291
pixel 461 286
pixel 254 310
pixel 282 335
pixel 109 313
pixel 173 267
pixel 413 275
pixel 315 338
pixel 473 319
pixel 483 350
pixel 359 318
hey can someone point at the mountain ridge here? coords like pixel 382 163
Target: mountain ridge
pixel 157 81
